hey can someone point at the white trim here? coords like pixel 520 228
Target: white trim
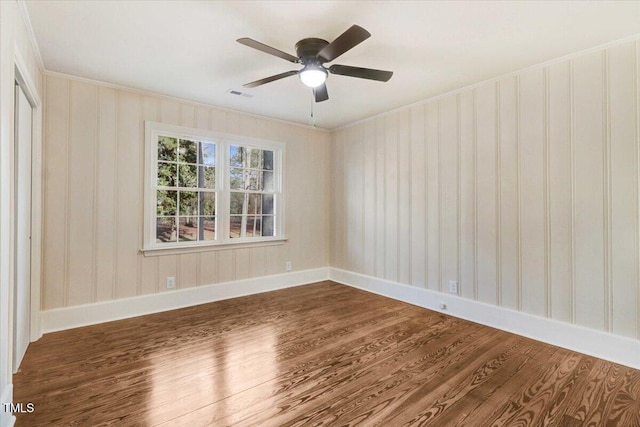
pixel 24 13
pixel 492 80
pixel 107 311
pixel 6 418
pixel 176 99
pixel 615 348
pixel 25 81
pixel 24 78
pixel 177 250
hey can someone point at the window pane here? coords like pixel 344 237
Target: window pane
pixel 235 222
pixel 165 230
pixel 207 203
pixel 167 148
pixel 267 204
pixel 188 228
pixel 235 179
pixel 188 203
pixel 252 180
pixel 236 202
pixel 207 228
pixel 166 202
pixel 207 177
pixel 236 156
pixel 167 174
pixel 268 160
pixel 254 206
pixel 208 154
pixel 268 228
pixel 255 157
pixel 188 175
pixel 253 226
pixel 188 151
pixel 268 182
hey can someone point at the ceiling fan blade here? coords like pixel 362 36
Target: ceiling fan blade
pixel 267 49
pixel 347 40
pixel 321 93
pixel 271 79
pixel 362 73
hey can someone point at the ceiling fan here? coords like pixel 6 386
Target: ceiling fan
pixel 313 53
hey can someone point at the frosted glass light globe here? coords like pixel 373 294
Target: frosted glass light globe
pixel 313 77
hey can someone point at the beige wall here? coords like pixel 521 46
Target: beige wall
pixel 94 141
pixel 524 190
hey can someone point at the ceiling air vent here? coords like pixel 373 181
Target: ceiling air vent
pixel 238 93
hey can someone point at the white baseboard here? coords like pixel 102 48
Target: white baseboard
pixel 615 348
pixel 107 311
pixel 6 418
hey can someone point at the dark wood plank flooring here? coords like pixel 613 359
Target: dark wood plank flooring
pixel 313 355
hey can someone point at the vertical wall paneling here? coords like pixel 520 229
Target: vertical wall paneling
pixel 418 198
pixel 404 197
pixel 467 197
pixel 546 185
pixel 380 197
pixel 353 199
pixel 128 202
pixel 606 177
pixel 105 195
pixel 391 196
pixel 532 191
pixel 486 193
pixel 637 116
pixel 508 165
pixel 226 265
pixel 242 264
pixel 340 203
pixel 448 190
pixel 498 200
pixel 623 115
pixel 55 193
pixel 589 191
pixel 369 204
pixel 433 208
pixel 560 231
pixel 258 261
pixel 80 205
pixel 335 220
pixel 360 197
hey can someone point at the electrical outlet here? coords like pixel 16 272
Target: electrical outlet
pixel 171 282
pixel 288 266
pixel 453 287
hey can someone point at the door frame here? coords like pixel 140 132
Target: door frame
pixel 22 76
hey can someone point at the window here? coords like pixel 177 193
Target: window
pixel 205 189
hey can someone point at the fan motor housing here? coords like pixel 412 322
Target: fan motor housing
pixel 307 49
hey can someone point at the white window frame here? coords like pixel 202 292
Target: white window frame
pixel 223 141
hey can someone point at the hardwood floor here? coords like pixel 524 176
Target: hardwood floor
pixel 311 355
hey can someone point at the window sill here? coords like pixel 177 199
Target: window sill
pixel 177 250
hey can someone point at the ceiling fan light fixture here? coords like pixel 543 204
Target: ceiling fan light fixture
pixel 313 76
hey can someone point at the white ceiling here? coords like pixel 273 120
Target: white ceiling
pixel 187 49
